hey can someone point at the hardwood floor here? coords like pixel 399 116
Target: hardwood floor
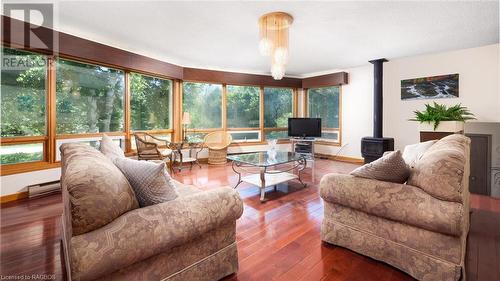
pixel 277 240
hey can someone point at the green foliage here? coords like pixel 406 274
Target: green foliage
pixel 89 98
pixel 23 96
pixel 150 102
pixel 324 103
pixel 204 103
pixel 243 106
pixel 277 107
pixel 440 112
pixel 20 157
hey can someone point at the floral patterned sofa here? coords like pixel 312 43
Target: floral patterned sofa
pixel 106 236
pixel 419 227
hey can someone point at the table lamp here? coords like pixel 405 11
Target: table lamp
pixel 186 120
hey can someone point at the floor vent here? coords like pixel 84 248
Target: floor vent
pixel 43 189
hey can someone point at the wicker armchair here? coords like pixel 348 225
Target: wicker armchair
pixel 148 148
pixel 217 143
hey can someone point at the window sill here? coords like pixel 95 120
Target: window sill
pixel 329 143
pixel 12 169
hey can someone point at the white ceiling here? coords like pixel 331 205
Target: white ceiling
pixel 324 35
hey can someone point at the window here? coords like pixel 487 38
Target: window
pixel 95 142
pixel 324 103
pixel 244 136
pixel 243 103
pixel 23 92
pixel 278 107
pixel 150 103
pixel 21 153
pixel 204 103
pixel 23 107
pixel 89 98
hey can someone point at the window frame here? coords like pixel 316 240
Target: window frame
pixel 128 91
pixel 277 129
pixel 51 138
pixel 14 168
pixel 338 130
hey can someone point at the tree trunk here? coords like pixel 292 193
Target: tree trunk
pixel 92 112
pixel 108 108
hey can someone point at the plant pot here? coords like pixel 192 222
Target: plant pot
pixel 444 126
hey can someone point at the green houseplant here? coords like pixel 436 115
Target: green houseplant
pixel 437 114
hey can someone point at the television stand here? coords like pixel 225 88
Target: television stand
pixel 303 146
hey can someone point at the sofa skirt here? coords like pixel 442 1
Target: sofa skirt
pixel 418 264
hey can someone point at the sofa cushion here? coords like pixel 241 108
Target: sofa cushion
pixel 390 167
pixel 110 148
pixel 413 152
pixel 440 171
pixel 150 181
pixel 98 191
pixel 399 202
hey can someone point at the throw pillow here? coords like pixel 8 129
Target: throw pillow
pixel 110 148
pixel 391 167
pixel 97 190
pixel 412 153
pixel 150 181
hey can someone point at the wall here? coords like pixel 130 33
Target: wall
pixel 479 90
pixel 17 183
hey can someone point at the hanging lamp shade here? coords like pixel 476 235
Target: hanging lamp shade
pixel 274 33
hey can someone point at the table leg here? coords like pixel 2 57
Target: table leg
pixel 262 184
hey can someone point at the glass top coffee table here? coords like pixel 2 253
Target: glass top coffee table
pixel 270 168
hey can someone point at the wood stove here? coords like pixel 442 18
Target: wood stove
pixel 372 148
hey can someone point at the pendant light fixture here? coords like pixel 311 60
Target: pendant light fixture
pixel 273 42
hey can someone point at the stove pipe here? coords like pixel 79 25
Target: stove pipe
pixel 378 76
pixel 372 148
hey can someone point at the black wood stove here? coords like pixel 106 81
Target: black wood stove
pixel 372 148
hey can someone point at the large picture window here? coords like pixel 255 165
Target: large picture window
pixel 150 103
pixel 324 103
pixel 23 93
pixel 243 103
pixel 89 98
pixel 278 107
pixel 23 107
pixel 203 102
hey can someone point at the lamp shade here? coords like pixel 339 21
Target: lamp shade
pixel 186 118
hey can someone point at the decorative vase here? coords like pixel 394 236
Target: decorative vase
pixel 272 144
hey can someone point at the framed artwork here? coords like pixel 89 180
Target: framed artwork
pixel 434 87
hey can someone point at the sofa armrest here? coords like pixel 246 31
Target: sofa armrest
pixel 399 202
pixel 145 232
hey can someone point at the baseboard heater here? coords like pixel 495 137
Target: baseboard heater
pixel 43 189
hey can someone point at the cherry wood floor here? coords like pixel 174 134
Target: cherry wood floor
pixel 277 240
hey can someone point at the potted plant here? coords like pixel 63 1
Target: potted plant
pixel 440 118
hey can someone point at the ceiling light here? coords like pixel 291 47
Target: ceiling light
pixel 274 40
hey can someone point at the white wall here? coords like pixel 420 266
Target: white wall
pixel 18 182
pixel 479 90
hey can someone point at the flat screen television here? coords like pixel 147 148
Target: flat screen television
pixel 304 127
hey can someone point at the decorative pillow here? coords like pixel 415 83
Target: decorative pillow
pixel 150 181
pixel 109 148
pixel 412 153
pixel 391 167
pixel 443 170
pixel 98 192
